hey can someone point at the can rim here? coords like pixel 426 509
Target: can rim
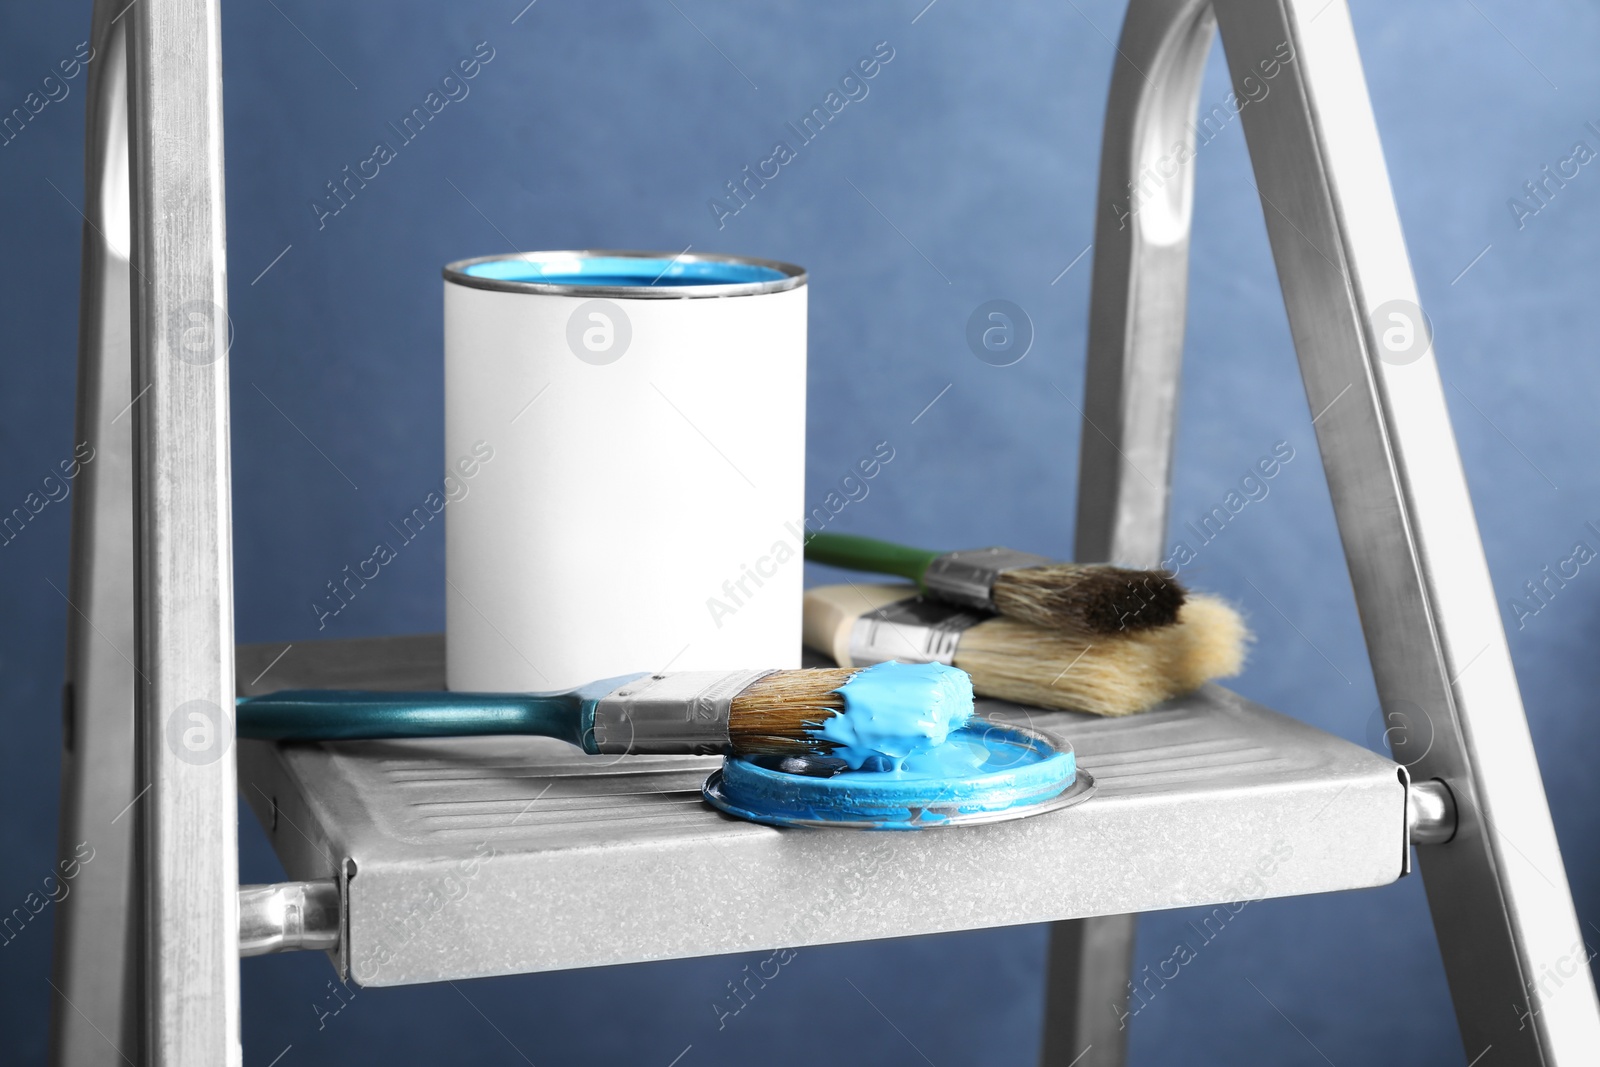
pixel 793 276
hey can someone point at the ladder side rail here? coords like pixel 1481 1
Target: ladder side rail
pixel 1140 288
pixel 1498 891
pixel 93 961
pixel 183 568
pixel 1139 295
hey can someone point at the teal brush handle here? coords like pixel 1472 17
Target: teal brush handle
pixel 866 554
pixel 348 714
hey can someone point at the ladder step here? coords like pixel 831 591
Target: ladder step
pixel 501 855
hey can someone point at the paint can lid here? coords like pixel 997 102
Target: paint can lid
pixel 1016 772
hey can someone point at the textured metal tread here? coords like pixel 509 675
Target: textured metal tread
pixel 495 855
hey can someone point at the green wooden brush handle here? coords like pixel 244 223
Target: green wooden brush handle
pixel 866 554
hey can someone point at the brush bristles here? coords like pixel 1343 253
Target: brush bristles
pixel 776 714
pixel 1114 674
pixel 1119 674
pixel 1211 644
pixel 1089 598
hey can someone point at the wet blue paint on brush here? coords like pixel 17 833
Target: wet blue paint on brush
pixel 915 755
pixel 897 718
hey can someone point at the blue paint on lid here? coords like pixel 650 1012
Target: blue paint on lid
pixel 992 768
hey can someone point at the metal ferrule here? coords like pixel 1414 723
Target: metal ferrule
pixel 670 713
pixel 915 630
pixel 967 576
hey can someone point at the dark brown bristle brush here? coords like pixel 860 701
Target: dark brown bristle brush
pixel 1089 598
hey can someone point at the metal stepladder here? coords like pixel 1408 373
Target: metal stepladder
pixel 148 944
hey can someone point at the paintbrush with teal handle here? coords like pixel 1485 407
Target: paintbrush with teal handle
pixel 826 711
pixel 1090 598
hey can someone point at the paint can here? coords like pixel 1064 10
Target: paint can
pixel 625 464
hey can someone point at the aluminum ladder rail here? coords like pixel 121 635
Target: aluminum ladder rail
pixel 147 949
pixel 1497 891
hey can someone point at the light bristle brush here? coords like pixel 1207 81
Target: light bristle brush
pixel 746 712
pixel 1091 598
pixel 1113 674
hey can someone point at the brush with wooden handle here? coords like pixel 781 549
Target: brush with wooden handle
pixel 827 711
pixel 1091 598
pixel 1114 674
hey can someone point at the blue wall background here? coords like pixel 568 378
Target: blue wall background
pixel 611 126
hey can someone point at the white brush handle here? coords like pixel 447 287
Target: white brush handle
pixel 831 612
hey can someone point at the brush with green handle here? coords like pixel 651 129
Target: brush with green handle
pixel 1091 598
pixel 774 713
